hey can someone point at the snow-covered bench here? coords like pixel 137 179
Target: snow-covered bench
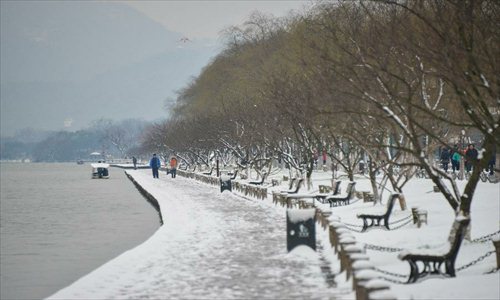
pixel 433 259
pixel 209 173
pixel 374 219
pixel 345 199
pixel 316 196
pixel 264 176
pixel 281 196
pixel 233 175
pixel 321 197
pixel 291 189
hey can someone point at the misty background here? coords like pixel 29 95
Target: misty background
pixel 66 65
pixel 83 76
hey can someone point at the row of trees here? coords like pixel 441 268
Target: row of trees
pixel 120 139
pixel 388 81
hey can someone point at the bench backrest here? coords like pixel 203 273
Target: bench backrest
pixel 264 176
pixel 297 187
pixel 210 172
pixel 350 189
pixel 456 236
pixel 323 189
pixel 336 188
pixel 390 203
pixel 234 175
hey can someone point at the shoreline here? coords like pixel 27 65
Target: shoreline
pixel 150 198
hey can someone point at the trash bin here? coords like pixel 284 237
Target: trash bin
pixel 225 183
pixel 300 228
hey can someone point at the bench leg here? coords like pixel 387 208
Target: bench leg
pixel 386 223
pixel 450 268
pixel 413 272
pixel 365 225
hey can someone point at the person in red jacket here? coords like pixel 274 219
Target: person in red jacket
pixel 173 166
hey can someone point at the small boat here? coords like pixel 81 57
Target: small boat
pixel 100 170
pixel 80 162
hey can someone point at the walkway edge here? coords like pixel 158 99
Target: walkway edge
pixel 150 198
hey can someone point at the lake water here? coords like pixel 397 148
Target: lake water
pixel 57 225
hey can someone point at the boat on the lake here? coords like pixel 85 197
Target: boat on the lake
pixel 100 170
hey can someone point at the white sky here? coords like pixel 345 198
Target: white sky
pixel 205 19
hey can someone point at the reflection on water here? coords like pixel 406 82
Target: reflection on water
pixel 57 225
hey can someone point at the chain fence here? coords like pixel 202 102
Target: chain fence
pixel 348 226
pixel 401 220
pixel 391 274
pixel 485 238
pixel 382 248
pixel 353 227
pixel 404 224
pixel 480 258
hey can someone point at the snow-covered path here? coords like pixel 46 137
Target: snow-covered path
pixel 211 245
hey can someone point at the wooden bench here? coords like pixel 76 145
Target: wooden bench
pixel 339 200
pixel 290 185
pixel 321 197
pixel 374 220
pixel 297 187
pixel 281 196
pixel 264 176
pixel 316 196
pixel 233 176
pixel 324 189
pixel 209 173
pixel 433 259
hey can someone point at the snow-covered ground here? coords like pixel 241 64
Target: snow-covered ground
pixel 215 246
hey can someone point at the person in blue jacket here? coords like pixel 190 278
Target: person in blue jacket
pixel 155 164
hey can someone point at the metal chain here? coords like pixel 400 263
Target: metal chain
pixel 352 229
pixel 485 238
pixel 390 273
pixel 392 280
pixel 404 224
pixel 401 220
pixel 352 225
pixel 382 248
pixel 480 258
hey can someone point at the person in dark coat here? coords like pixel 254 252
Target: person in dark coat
pixel 134 161
pixel 492 161
pixel 445 158
pixel 155 164
pixel 470 157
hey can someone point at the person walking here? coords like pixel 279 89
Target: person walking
pixel 134 161
pixel 455 159
pixel 173 166
pixel 492 161
pixel 445 158
pixel 155 164
pixel 470 157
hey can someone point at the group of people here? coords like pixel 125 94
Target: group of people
pixel 155 165
pixel 470 155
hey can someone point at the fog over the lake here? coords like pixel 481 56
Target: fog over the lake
pixel 65 64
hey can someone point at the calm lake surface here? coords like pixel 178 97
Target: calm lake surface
pixel 58 225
